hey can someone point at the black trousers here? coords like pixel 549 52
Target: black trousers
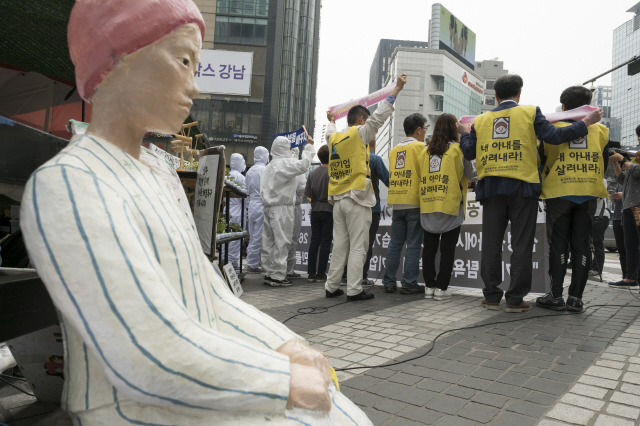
pixel 618 232
pixel 569 225
pixel 373 230
pixel 447 242
pixel 631 243
pixel 321 238
pixel 597 238
pixel 498 211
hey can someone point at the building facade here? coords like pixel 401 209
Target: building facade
pixel 284 38
pixel 625 89
pixel 490 70
pixel 437 83
pixel 379 72
pixel 602 97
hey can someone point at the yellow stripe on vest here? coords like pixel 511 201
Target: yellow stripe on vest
pixel 404 183
pixel 348 162
pixel 507 144
pixel 443 185
pixel 576 167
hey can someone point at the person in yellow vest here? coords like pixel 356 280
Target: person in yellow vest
pixel 504 143
pixel 572 183
pixel 351 192
pixel 404 199
pixel 443 176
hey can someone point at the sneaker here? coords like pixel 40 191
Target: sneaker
pixel 523 307
pixel 336 293
pixel 623 285
pixel 428 292
pixel 490 306
pixel 278 283
pixel 574 304
pixel 442 294
pixel 254 270
pixel 390 289
pixel 362 296
pixel 267 279
pixel 368 282
pixel 293 276
pixel 312 278
pixel 549 302
pixel 594 273
pixel 414 290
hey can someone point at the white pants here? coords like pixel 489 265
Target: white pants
pixel 351 223
pixel 276 239
pixel 297 225
pixel 256 220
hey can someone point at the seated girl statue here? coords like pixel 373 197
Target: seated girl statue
pixel 152 335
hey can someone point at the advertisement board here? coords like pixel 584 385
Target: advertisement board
pixel 457 38
pixel 223 72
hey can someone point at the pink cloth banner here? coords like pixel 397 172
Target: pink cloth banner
pixel 366 101
pixel 574 114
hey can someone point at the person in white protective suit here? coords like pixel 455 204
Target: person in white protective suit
pixel 278 193
pixel 256 210
pixel 297 220
pixel 238 166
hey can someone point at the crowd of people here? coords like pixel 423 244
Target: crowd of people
pixel 512 155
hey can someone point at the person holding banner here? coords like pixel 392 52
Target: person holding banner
pixel 256 210
pixel 297 221
pixel 572 182
pixel 504 141
pixel 404 199
pixel 443 175
pixel 278 193
pixel 351 193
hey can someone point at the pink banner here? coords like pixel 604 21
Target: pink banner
pixel 574 114
pixel 366 101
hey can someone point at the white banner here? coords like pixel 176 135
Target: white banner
pixel 224 72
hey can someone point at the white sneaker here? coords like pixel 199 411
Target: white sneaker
pixel 442 294
pixel 428 292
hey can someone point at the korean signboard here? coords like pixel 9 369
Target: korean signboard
pixel 297 138
pixel 224 72
pixel 466 267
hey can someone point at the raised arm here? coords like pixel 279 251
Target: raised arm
pixel 100 263
pixel 468 141
pixel 548 133
pixel 369 129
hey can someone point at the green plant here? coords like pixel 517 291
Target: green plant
pixel 236 227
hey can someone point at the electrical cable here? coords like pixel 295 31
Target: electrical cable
pixel 14 386
pixel 12 377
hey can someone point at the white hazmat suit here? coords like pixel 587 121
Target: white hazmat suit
pixel 278 193
pixel 238 165
pixel 256 210
pixel 297 218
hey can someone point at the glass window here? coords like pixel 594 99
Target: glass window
pixel 490 84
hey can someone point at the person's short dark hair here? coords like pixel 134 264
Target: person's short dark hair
pixel 638 131
pixel 323 154
pixel 355 113
pixel 575 96
pixel 508 86
pixel 413 123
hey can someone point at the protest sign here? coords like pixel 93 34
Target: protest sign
pixel 297 138
pixel 366 101
pixel 574 114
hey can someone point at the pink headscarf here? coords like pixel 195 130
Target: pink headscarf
pixel 100 32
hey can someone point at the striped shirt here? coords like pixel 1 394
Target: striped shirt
pixel 152 335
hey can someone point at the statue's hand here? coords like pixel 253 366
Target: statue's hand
pixel 310 377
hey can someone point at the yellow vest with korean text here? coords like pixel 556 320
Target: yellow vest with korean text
pixel 404 183
pixel 348 162
pixel 576 167
pixel 443 185
pixel 507 144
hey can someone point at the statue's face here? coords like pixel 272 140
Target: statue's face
pixel 155 85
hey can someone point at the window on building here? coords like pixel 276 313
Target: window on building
pixel 490 84
pixel 243 7
pixel 440 84
pixel 490 101
pixel 439 103
pixel 422 83
pixel 231 29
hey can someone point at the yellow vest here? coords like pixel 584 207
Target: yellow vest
pixel 577 167
pixel 404 182
pixel 507 144
pixel 348 162
pixel 443 185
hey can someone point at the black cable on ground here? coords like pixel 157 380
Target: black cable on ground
pixel 14 386
pixel 12 377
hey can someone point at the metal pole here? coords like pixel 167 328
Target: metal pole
pixel 611 70
pixel 226 245
pixel 242 240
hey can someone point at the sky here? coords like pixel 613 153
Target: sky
pixel 552 44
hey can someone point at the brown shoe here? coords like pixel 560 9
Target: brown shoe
pixel 523 307
pixel 490 306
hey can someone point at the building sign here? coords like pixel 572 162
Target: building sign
pixel 600 96
pixel 237 138
pixel 465 80
pixel 456 37
pixel 224 72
